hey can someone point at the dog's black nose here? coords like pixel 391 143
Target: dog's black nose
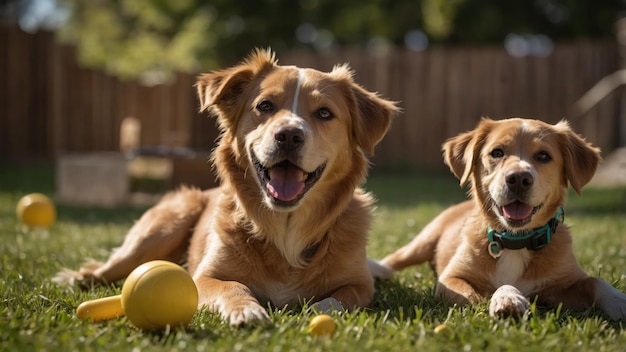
pixel 289 138
pixel 518 181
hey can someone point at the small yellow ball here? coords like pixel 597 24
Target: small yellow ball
pixel 322 325
pixel 36 210
pixel 440 328
pixel 159 293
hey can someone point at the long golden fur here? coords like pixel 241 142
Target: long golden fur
pixel 519 171
pixel 289 222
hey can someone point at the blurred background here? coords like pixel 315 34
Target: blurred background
pixel 73 73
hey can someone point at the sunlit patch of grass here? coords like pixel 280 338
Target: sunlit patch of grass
pixel 37 315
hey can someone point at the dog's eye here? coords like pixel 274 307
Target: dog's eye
pixel 324 114
pixel 497 153
pixel 543 157
pixel 265 106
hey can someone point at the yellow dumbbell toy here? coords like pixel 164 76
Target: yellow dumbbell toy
pixel 155 294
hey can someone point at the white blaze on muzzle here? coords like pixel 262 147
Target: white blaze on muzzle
pixel 286 180
pixel 296 94
pixel 294 119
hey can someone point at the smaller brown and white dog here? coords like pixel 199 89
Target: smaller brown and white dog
pixel 509 241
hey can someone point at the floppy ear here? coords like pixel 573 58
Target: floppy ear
pixel 580 158
pixel 223 91
pixel 372 114
pixel 375 115
pixel 461 152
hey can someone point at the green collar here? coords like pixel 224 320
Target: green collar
pixel 533 240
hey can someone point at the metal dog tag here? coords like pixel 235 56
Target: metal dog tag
pixel 495 249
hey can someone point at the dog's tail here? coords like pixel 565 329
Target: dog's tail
pixel 163 232
pixel 422 248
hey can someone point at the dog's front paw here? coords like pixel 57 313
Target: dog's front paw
pixel 246 315
pixel 507 301
pixel 242 313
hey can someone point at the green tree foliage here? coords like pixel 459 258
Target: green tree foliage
pixel 141 37
pixel 153 38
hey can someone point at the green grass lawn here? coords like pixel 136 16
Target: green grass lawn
pixel 39 316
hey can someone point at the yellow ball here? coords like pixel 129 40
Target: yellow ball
pixel 322 325
pixel 159 293
pixel 36 210
pixel 440 328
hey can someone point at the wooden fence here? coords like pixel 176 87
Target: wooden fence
pixel 50 105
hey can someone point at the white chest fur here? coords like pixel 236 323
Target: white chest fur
pixel 510 267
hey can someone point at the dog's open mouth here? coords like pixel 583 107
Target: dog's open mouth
pixel 518 213
pixel 285 183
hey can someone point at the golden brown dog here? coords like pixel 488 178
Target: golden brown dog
pixel 508 242
pixel 288 223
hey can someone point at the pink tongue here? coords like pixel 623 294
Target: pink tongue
pixel 285 182
pixel 517 210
